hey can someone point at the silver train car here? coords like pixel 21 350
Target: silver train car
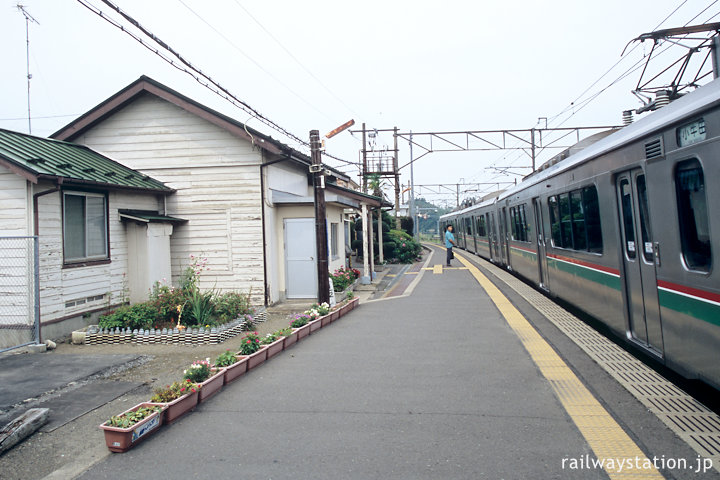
pixel 625 230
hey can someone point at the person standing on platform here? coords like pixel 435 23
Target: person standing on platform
pixel 449 242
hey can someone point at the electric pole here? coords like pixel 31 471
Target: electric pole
pixel 321 247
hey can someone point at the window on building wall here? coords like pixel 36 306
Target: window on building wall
pixel 693 215
pixel 85 227
pixel 575 220
pixel 334 240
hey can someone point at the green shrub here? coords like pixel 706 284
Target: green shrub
pixel 230 306
pixel 169 301
pixel 114 319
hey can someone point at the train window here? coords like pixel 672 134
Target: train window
pixel 480 226
pixel 554 221
pixel 578 220
pixel 693 216
pixel 592 219
pixel 574 220
pixel 526 227
pixel 627 214
pixel 646 234
pixel 468 226
pixel 513 223
pixel 565 221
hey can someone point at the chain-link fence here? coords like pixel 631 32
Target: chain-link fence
pixel 19 292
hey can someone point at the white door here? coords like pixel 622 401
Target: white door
pixel 300 264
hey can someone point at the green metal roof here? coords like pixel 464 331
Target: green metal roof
pixel 76 164
pixel 148 217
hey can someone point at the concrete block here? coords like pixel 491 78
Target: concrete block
pixel 39 348
pixel 78 337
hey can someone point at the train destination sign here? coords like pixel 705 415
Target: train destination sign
pixel 691 133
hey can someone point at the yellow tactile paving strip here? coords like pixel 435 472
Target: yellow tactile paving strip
pixel 611 445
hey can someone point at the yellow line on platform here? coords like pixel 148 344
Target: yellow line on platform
pixel 437 269
pixel 621 458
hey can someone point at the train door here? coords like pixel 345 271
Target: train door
pixel 638 258
pixel 473 223
pixel 540 241
pixel 494 253
pixel 504 237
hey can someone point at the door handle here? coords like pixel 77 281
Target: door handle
pixel 656 253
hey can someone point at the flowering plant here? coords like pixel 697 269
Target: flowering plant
pixel 284 332
pixel 342 278
pixel 318 310
pixel 174 391
pixel 225 359
pixel 269 338
pixel 299 320
pixel 198 371
pixel 250 344
pixel 128 419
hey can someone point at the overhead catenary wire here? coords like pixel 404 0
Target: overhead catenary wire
pixel 302 65
pixel 185 66
pixel 255 62
pixel 576 107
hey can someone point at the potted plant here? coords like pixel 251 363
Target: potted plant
pixel 124 431
pixel 274 342
pixel 209 382
pixel 289 335
pixel 250 346
pixel 232 364
pixel 179 397
pixel 301 322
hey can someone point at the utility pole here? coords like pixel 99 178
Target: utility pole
pixel 364 159
pixel 412 188
pixel 321 247
pixel 396 164
pixel 532 147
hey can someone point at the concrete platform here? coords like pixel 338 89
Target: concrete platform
pixel 438 384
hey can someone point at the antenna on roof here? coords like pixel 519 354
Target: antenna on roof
pixel 28 18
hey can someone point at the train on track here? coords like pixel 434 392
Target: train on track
pixel 625 229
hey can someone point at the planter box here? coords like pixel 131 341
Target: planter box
pixel 315 325
pixel 237 369
pixel 275 347
pixel 212 385
pixel 303 331
pixel 179 407
pixel 257 358
pixel 353 303
pixel 326 320
pixel 120 440
pixel 335 314
pixel 291 339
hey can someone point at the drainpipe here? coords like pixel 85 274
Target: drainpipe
pixel 36 229
pixel 262 219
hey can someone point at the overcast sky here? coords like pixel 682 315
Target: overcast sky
pixel 418 65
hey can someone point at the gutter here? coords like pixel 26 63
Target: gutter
pixel 36 229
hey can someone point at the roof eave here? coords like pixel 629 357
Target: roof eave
pixel 69 181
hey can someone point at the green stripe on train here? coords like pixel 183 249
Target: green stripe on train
pixel 689 306
pixel 596 276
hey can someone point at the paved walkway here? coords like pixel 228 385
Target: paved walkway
pixel 433 385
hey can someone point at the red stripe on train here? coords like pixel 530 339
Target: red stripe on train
pixel 713 297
